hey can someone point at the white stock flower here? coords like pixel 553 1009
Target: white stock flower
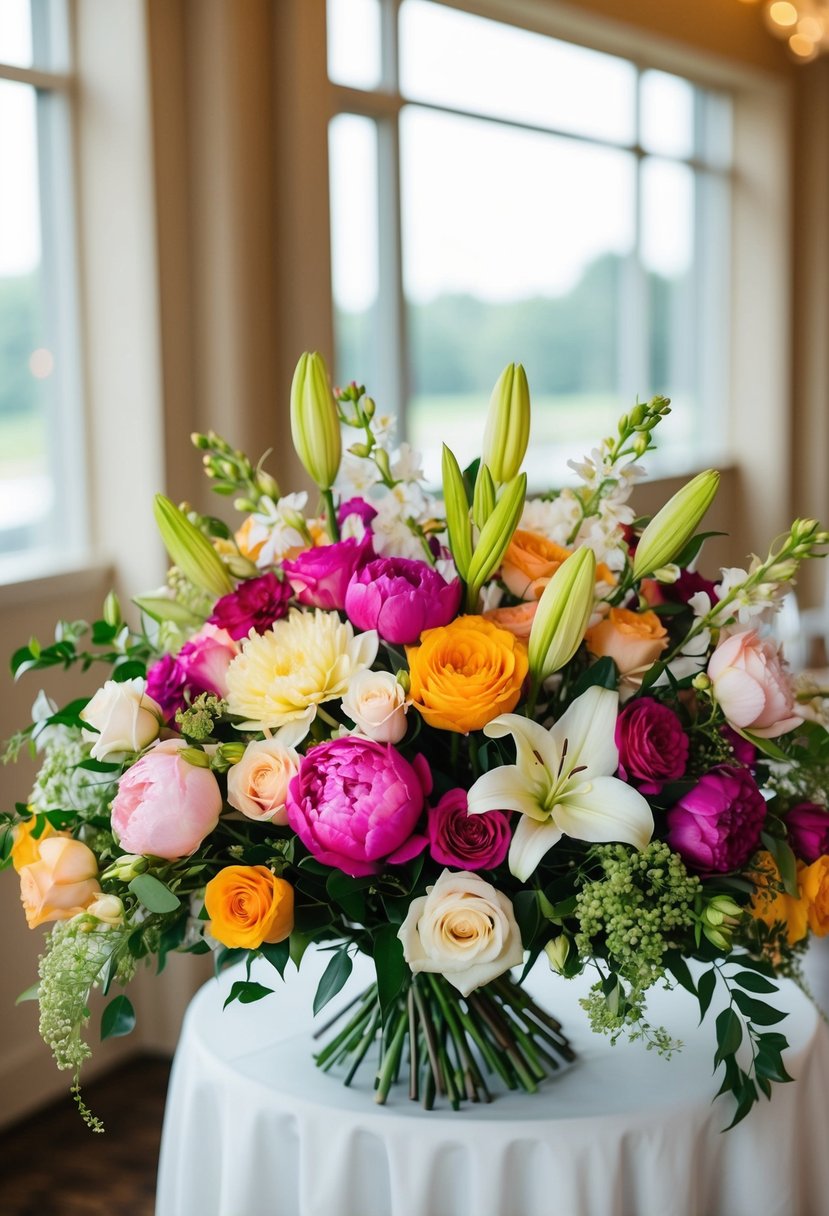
pixel 277 527
pixel 393 536
pixel 557 519
pixel 561 782
pixel 407 464
pixel 376 702
pixel 357 475
pixel 463 929
pixel 124 719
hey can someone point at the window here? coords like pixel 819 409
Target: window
pixel 498 194
pixel 41 450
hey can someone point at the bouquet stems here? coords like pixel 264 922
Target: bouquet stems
pixel 447 1044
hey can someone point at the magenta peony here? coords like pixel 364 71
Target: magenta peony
pixel 653 747
pixel 467 842
pixel 400 597
pixel 164 805
pixel 716 826
pixel 751 685
pixel 255 604
pixel 320 576
pixel 167 685
pixel 355 803
pixel 808 827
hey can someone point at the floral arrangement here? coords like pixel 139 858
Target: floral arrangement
pixel 454 735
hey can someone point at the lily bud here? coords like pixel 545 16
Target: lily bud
pixel 507 430
pixel 671 528
pixel 191 551
pixel 495 537
pixel 483 502
pixel 557 950
pixel 112 610
pixel 457 512
pixel 315 427
pixel 562 615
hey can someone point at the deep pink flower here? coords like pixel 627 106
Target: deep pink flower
pixel 467 842
pixel 356 506
pixel 165 806
pixel 255 604
pixel 320 576
pixel 716 826
pixel 653 747
pixel 167 685
pixel 400 598
pixel 808 827
pixel 355 803
pixel 744 752
pixel 205 658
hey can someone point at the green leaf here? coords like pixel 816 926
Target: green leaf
pixel 246 992
pixel 753 982
pixel 602 674
pixel 277 954
pixel 118 1018
pixel 679 970
pixel 333 978
pixel 390 966
pixel 154 894
pixel 31 994
pixel 705 990
pixel 346 892
pixel 786 861
pixel 128 670
pixel 729 1035
pixel 763 745
pixel 759 965
pixel 746 1096
pixel 527 914
pixel 687 555
pixel 757 1011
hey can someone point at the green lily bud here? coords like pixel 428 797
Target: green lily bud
pixel 671 528
pixel 507 430
pixel 495 537
pixel 457 513
pixel 160 609
pixel 562 615
pixel 230 753
pixel 192 552
pixel 315 427
pixel 483 502
pixel 126 867
pixel 112 610
pixel 557 950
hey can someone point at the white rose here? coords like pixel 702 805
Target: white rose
pixel 377 703
pixel 464 930
pixel 258 785
pixel 124 717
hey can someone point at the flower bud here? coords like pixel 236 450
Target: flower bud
pixel 507 430
pixel 126 867
pixel 557 950
pixel 267 485
pixel 112 610
pixel 495 536
pixel 315 427
pixel 667 574
pixel 483 502
pixel 369 408
pixel 107 908
pixel 189 550
pixel 457 512
pixel 672 527
pixel 562 615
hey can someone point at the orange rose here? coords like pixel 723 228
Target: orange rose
pixel 518 620
pixel 466 673
pixel 814 886
pixel 774 906
pixel 26 847
pixel 61 883
pixel 248 905
pixel 634 640
pixel 531 561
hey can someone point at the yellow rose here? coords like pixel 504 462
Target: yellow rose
pixel 26 847
pixel 62 882
pixel 466 673
pixel 248 905
pixel 814 885
pixel 775 906
pixel 634 640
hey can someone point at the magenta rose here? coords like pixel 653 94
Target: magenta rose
pixel 167 685
pixel 808 827
pixel 320 576
pixel 255 604
pixel 205 658
pixel 716 826
pixel 355 803
pixel 467 842
pixel 165 806
pixel 653 747
pixel 400 598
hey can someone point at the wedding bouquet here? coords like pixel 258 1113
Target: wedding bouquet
pixel 454 734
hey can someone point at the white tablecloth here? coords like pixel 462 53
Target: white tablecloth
pixel 252 1128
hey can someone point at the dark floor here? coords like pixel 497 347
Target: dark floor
pixel 52 1165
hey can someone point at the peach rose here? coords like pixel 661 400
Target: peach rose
pixel 249 905
pixel 258 785
pixel 466 673
pixel 26 846
pixel 814 885
pixel 518 620
pixel 531 561
pixel 61 883
pixel 751 685
pixel 634 640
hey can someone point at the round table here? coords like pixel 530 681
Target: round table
pixel 253 1128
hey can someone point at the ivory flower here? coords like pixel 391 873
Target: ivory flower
pixel 562 784
pixel 376 703
pixel 304 660
pixel 124 719
pixel 258 785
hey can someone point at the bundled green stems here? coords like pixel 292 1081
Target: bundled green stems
pixel 447 1045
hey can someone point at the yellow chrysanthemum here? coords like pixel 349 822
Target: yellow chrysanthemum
pixel 305 659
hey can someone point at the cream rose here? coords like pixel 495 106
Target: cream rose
pixel 124 717
pixel 258 785
pixel 376 702
pixel 61 883
pixel 462 929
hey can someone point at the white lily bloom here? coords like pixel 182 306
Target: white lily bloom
pixel 562 784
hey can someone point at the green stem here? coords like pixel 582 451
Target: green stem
pixel 331 515
pixel 388 1068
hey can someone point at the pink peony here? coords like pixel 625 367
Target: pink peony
pixel 355 803
pixel 320 576
pixel 255 604
pixel 400 597
pixel 653 747
pixel 808 827
pixel 165 806
pixel 716 826
pixel 751 685
pixel 205 660
pixel 467 842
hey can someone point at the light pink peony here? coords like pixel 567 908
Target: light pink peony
pixel 751 685
pixel 164 805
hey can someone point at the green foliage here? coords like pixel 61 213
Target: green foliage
pixel 333 978
pixel 118 1018
pixel 155 895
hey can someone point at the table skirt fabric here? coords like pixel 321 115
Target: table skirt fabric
pixel 252 1128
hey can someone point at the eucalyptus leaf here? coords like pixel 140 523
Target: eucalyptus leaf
pixel 154 894
pixel 118 1019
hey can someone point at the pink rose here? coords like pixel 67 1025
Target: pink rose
pixel 205 660
pixel 320 576
pixel 164 805
pixel 807 825
pixel 467 842
pixel 751 685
